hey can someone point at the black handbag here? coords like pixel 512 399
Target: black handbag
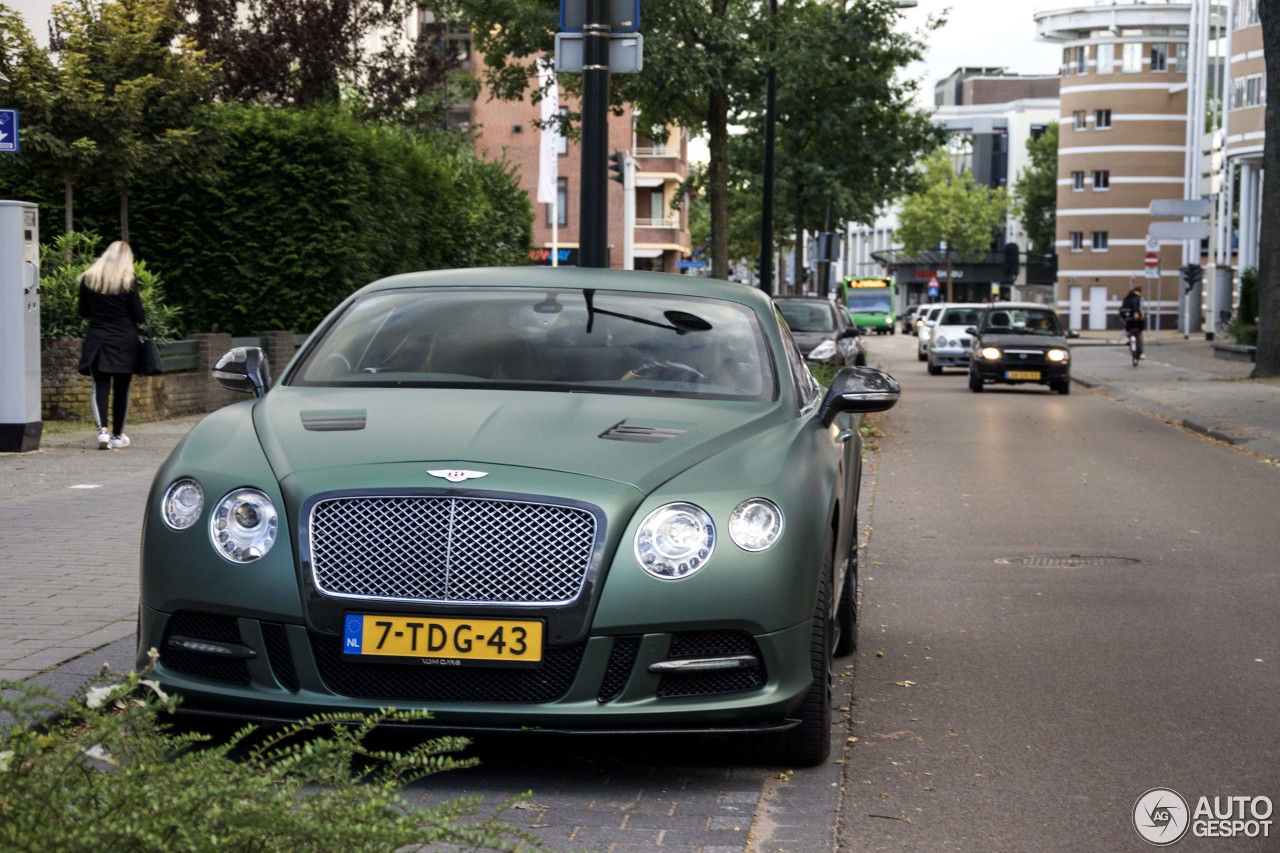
pixel 149 362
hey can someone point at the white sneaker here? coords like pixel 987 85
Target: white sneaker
pixel 104 438
pixel 119 441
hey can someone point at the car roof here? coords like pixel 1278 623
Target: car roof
pixel 579 278
pixel 1020 305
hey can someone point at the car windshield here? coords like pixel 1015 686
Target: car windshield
pixel 1029 321
pixel 807 317
pixel 869 303
pixel 959 317
pixel 601 341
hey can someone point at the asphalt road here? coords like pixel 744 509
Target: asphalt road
pixel 1067 603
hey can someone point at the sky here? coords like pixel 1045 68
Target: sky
pixel 984 33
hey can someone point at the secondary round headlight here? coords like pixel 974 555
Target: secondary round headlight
pixel 1056 355
pixel 244 525
pixel 675 540
pixel 755 524
pixel 940 340
pixel 990 353
pixel 182 504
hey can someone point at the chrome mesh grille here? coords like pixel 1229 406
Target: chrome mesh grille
pixel 450 549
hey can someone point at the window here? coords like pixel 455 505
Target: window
pixel 1101 119
pixel 1106 58
pixel 1066 60
pixel 562 203
pixel 1131 59
pixel 1077 181
pixel 1081 120
pixel 1101 179
pixel 1159 57
pixel 1099 241
pixel 1082 59
pixel 1077 241
pixel 562 142
pixel 1246 13
pixel 1180 58
pixel 1248 91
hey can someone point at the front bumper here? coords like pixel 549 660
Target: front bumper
pixel 949 357
pixel 606 683
pixel 1017 372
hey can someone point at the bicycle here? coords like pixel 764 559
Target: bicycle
pixel 1223 326
pixel 1135 345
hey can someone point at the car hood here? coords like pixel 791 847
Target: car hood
pixel 642 441
pixel 808 340
pixel 1005 339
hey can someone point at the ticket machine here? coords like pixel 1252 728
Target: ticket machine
pixel 20 424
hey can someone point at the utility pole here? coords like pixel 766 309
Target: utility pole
pixel 770 132
pixel 593 212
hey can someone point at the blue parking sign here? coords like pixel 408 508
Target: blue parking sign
pixel 9 131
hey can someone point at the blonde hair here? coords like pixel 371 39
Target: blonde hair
pixel 112 272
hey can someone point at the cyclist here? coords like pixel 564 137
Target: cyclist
pixel 1135 321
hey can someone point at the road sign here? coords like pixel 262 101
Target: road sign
pixel 1180 207
pixel 1179 230
pixel 9 132
pixel 1151 260
pixel 932 287
pixel 1153 245
pixel 626 53
pixel 691 265
pixel 624 15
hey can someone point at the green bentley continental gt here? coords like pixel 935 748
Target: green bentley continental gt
pixel 546 499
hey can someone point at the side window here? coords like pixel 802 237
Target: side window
pixel 807 388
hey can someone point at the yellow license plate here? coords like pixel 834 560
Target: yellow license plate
pixel 444 641
pixel 1023 374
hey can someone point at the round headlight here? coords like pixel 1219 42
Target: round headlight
pixel 755 524
pixel 182 504
pixel 675 540
pixel 990 353
pixel 244 525
pixel 940 340
pixel 1056 355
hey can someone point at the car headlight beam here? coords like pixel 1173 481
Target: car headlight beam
pixel 182 504
pixel 756 524
pixel 1056 355
pixel 675 540
pixel 990 353
pixel 244 525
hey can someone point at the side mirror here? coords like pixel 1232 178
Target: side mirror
pixel 971 330
pixel 850 332
pixel 859 390
pixel 1073 333
pixel 244 369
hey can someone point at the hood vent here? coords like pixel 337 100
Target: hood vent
pixel 642 434
pixel 333 421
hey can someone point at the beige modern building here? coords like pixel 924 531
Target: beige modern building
pixel 1243 134
pixel 1122 144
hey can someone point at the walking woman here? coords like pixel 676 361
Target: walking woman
pixel 109 299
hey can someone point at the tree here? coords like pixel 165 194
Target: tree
pixel 59 107
pixel 1036 191
pixel 143 90
pixel 303 53
pixel 848 136
pixel 1268 352
pixel 951 211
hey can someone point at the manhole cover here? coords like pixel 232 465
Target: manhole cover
pixel 1071 561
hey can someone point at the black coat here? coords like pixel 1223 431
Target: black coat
pixel 112 337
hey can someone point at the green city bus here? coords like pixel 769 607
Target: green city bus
pixel 870 303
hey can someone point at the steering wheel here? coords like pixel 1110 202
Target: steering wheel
pixel 665 371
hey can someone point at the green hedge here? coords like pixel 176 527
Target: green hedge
pixel 309 206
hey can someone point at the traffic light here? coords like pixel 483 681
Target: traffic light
pixel 1192 274
pixel 617 167
pixel 1012 261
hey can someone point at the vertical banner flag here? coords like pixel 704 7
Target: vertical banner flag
pixel 549 150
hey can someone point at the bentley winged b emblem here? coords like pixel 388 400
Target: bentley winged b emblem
pixel 457 475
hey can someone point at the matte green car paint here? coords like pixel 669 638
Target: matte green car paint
pixel 542 443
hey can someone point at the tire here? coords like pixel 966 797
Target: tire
pixel 935 369
pixel 809 744
pixel 1063 386
pixel 860 361
pixel 921 356
pixel 847 607
pixel 975 382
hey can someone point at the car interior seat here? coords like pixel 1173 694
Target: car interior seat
pixel 999 320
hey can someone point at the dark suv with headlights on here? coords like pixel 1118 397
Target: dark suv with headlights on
pixel 1020 342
